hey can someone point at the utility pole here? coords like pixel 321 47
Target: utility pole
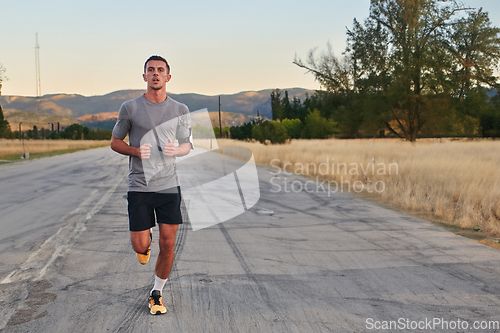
pixel 22 138
pixel 220 122
pixel 220 136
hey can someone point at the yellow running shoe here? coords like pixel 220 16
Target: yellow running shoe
pixel 144 257
pixel 156 306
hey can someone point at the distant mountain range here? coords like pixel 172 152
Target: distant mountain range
pixel 40 120
pixel 75 106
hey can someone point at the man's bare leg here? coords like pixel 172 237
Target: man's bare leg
pixel 140 240
pixel 167 246
pixel 140 243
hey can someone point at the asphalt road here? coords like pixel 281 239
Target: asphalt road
pixel 295 262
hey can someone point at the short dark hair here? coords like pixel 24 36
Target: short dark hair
pixel 157 57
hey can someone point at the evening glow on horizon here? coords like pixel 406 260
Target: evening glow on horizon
pixel 218 47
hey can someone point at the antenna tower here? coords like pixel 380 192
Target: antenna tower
pixel 37 67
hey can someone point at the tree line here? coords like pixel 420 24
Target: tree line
pixel 413 68
pixel 71 132
pixel 292 119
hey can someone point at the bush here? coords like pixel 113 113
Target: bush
pixel 318 127
pixel 293 127
pixel 225 132
pixel 273 131
pixel 243 132
pixel 490 125
pixel 80 132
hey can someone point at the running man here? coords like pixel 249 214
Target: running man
pixel 153 122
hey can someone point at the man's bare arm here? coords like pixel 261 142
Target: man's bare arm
pixel 120 146
pixel 181 150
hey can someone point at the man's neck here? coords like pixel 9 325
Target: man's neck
pixel 156 96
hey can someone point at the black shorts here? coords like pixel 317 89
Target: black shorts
pixel 142 207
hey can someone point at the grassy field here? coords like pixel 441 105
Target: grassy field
pixel 13 149
pixel 453 181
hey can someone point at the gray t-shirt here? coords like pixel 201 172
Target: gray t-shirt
pixel 138 117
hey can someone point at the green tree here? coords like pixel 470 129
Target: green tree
pixel 5 131
pixel 271 131
pixel 243 132
pixel 405 62
pixel 236 133
pixel 341 99
pixel 475 47
pixel 335 75
pixel 80 132
pixel 293 127
pixel 77 131
pixel 287 106
pixel 278 110
pixel 403 42
pixel 490 118
pixel 35 132
pixel 317 127
pixel 225 132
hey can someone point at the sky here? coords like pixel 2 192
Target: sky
pixel 213 47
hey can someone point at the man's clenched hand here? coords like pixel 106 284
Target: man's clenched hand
pixel 169 149
pixel 145 151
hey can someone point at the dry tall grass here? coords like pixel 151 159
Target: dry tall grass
pixel 13 147
pixel 456 181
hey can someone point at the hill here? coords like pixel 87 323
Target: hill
pixel 75 106
pixel 30 119
pixel 103 120
pixel 107 120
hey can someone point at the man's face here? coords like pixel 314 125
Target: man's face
pixel 156 74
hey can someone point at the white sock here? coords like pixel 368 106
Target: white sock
pixel 159 283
